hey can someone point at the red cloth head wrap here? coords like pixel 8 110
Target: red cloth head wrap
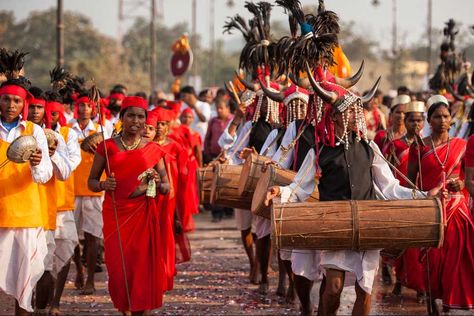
pixel 20 92
pixel 187 111
pixel 134 101
pixel 117 96
pixel 53 106
pixel 84 99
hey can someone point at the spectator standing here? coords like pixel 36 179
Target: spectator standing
pixel 215 129
pixel 200 108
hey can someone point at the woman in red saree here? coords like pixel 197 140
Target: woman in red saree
pixel 188 200
pixel 451 267
pixel 178 249
pixel 135 166
pixel 408 268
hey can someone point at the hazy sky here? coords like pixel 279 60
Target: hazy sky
pixel 375 21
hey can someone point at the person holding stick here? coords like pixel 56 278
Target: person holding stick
pixel 135 174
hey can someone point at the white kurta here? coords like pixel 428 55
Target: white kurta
pixel 363 264
pixel 23 250
pixel 233 145
pixel 263 226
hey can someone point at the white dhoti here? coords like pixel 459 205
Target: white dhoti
pixel 363 264
pixel 306 263
pixel 48 260
pixel 285 254
pixel 88 215
pixel 22 255
pixel 244 219
pixel 263 227
pixel 66 239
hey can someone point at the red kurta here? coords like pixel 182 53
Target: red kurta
pixel 451 267
pixel 139 226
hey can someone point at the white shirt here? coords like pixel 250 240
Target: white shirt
pixel 240 143
pixel 282 158
pixel 42 172
pixel 89 127
pixel 197 125
pixel 71 154
pixel 386 185
pixel 266 150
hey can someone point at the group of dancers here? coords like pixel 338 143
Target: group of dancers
pixel 118 175
pixel 316 125
pixel 70 195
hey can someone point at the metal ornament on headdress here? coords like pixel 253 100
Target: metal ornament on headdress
pixel 415 106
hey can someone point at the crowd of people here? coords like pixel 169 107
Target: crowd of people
pixel 114 176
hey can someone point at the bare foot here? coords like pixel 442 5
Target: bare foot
pixel 79 283
pixel 290 295
pixel 280 290
pixel 263 289
pixel 88 289
pixel 54 311
pixel 253 274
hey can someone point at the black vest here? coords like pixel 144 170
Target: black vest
pixel 304 143
pixel 346 174
pixel 259 134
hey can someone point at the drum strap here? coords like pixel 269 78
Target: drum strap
pixel 355 226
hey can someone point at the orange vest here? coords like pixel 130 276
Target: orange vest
pixel 81 175
pixel 65 189
pixel 19 196
pixel 48 202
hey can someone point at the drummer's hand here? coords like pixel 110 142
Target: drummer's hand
pixel 53 147
pixel 110 183
pixel 240 111
pixel 35 158
pixel 437 191
pixel 272 193
pixel 455 185
pixel 93 148
pixel 247 152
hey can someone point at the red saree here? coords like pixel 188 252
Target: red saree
pixel 187 199
pixel 451 267
pixel 139 231
pixel 396 152
pixel 408 267
pixel 175 158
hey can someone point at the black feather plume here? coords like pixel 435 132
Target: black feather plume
pixel 11 63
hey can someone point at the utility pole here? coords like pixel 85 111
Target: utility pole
pixel 194 34
pixel 395 52
pixel 212 46
pixel 152 48
pixel 59 35
pixel 430 37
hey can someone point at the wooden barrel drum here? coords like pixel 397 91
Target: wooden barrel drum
pixel 225 184
pixel 358 225
pixel 251 172
pixel 273 176
pixel 204 180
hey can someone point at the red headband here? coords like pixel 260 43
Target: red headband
pixel 53 106
pixel 187 111
pixel 151 119
pixel 20 92
pixel 85 99
pixel 36 101
pixel 163 115
pixel 117 96
pixel 134 102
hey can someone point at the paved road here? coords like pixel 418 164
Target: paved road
pixel 215 282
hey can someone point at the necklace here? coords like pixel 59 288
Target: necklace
pixel 442 164
pixel 132 146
